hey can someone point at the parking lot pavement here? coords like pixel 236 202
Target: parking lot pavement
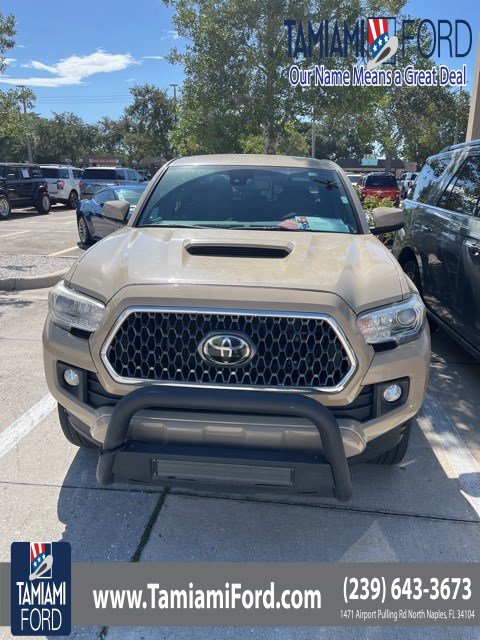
pixel 427 509
pixel 28 233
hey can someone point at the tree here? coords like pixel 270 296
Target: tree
pixel 236 67
pixel 292 141
pixel 7 35
pixel 416 122
pixel 16 126
pixel 109 137
pixel 62 136
pixel 148 122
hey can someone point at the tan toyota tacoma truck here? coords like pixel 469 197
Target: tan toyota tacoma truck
pixel 244 330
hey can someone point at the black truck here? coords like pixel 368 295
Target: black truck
pixel 22 185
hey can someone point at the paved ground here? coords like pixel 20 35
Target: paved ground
pixel 428 509
pixel 28 233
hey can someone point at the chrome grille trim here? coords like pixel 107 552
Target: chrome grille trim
pixel 230 312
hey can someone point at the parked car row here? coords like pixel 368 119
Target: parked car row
pixel 40 186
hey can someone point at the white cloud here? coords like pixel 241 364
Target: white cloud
pixel 152 57
pixel 170 34
pixel 9 60
pixel 74 69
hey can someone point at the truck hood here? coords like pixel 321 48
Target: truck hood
pixel 358 268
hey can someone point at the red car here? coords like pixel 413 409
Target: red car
pixel 380 185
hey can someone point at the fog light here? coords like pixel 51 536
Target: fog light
pixel 71 377
pixel 392 393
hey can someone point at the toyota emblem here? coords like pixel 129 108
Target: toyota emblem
pixel 226 349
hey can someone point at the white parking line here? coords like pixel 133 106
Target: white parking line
pixel 16 233
pixel 23 425
pixel 448 443
pixel 59 253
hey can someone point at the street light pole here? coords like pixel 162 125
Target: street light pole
pixel 457 116
pixel 473 128
pixel 174 98
pixel 314 134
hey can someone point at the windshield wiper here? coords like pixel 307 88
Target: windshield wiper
pixel 178 226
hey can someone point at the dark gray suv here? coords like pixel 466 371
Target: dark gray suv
pixel 96 178
pixel 439 247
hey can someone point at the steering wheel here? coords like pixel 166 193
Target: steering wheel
pixel 293 214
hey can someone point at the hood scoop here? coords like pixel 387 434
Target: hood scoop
pixel 222 250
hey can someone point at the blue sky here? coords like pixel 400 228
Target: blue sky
pixel 84 57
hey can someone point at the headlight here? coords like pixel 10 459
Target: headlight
pixel 72 310
pixel 397 323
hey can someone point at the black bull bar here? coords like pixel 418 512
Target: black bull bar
pixel 225 468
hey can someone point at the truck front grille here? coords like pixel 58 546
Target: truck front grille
pixel 292 351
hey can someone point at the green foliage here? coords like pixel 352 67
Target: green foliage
pixel 292 142
pixel 64 135
pixel 7 35
pixel 236 97
pixel 371 202
pixel 143 130
pixel 147 122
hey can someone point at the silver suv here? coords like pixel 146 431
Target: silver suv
pixel 64 183
pixel 95 178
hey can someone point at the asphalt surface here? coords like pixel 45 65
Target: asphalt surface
pixel 427 509
pixel 27 233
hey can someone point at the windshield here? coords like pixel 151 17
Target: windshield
pixel 132 196
pixel 281 198
pixel 49 172
pixel 99 174
pixel 381 181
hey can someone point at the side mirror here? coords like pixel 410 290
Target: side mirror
pixel 387 219
pixel 116 210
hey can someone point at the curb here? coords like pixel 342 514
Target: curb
pixel 31 282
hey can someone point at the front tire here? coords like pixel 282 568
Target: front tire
pixel 5 208
pixel 72 434
pixel 43 204
pixel 397 453
pixel 72 200
pixel 84 232
pixel 413 272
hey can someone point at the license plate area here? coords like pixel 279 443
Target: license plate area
pixel 218 472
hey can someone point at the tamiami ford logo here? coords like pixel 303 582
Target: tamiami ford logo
pixel 40 588
pixel 374 47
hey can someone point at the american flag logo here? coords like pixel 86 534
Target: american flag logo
pixel 381 46
pixel 41 560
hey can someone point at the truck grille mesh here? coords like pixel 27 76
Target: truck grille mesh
pixel 290 352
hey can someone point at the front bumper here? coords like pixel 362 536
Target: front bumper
pixel 291 434
pixel 122 458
